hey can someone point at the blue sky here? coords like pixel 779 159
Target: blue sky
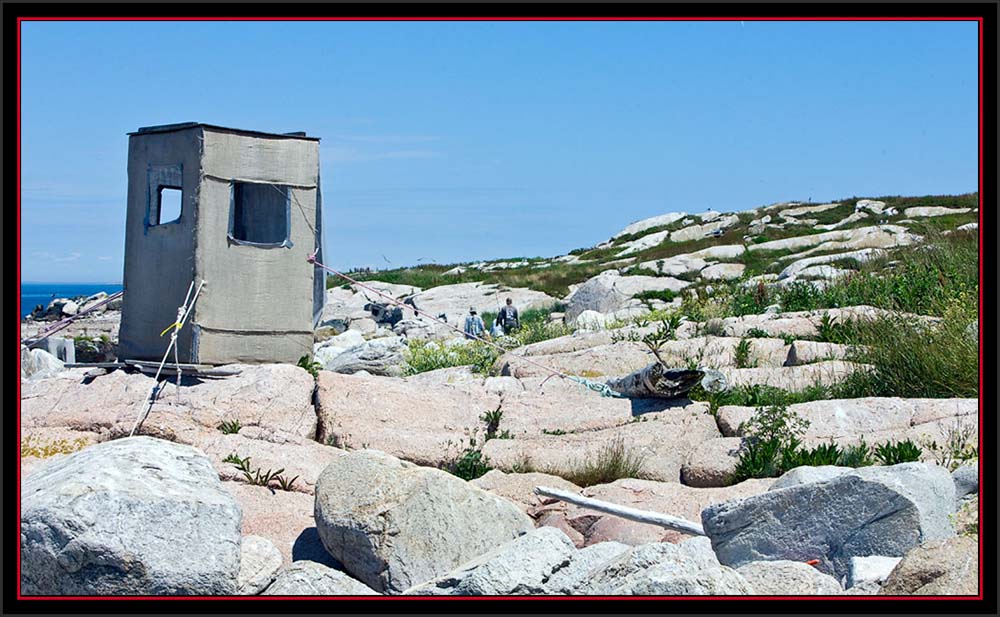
pixel 446 142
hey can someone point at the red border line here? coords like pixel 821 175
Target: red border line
pixel 21 19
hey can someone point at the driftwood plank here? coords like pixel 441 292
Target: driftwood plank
pixel 640 516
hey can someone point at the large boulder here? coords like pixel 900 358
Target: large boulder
pixel 39 364
pixel 868 511
pixel 937 568
pixel 687 568
pixel 788 578
pixel 308 578
pixel 136 516
pixel 520 567
pixel 409 524
pixel 609 291
pixel 381 356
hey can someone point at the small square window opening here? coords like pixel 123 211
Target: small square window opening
pixel 260 213
pixel 168 205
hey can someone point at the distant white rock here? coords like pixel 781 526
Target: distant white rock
pixel 723 272
pixel 723 251
pixel 798 266
pixel 696 232
pixel 797 212
pixel 709 216
pixel 922 211
pixel 875 207
pixel 876 236
pixel 655 221
pixel 643 243
pixel 678 265
pixel 969 227
pixel 853 218
pixel 389 289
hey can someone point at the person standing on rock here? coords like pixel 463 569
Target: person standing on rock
pixel 474 326
pixel 508 318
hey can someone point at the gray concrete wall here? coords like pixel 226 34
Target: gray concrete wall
pixel 159 260
pixel 258 302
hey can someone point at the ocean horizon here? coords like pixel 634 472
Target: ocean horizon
pixel 33 294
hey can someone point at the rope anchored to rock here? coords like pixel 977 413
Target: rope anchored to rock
pixel 183 311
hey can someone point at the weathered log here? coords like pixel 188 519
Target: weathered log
pixel 640 516
pixel 656 381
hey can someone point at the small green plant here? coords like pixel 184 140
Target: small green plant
pixel 285 484
pixel 741 355
pixel 492 420
pixel 663 333
pixel 758 459
pixel 230 427
pixel 890 453
pixel 311 366
pixel 756 333
pixel 788 339
pixel 471 464
pixel 258 477
pixel 557 431
pixel 831 331
pixel 794 455
pixel 857 455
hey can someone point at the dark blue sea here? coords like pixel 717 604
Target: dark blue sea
pixel 43 293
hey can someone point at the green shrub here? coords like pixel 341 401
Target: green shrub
pixel 890 453
pixel 471 464
pixel 911 359
pixel 422 356
pixel 665 295
pixel 758 459
pixel 230 427
pixel 741 355
pixel 857 455
pixel 310 365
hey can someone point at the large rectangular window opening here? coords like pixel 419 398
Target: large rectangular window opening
pixel 168 208
pixel 259 213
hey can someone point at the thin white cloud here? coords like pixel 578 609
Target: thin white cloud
pixel 47 256
pixel 103 258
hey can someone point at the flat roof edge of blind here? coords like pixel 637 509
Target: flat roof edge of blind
pixel 181 126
